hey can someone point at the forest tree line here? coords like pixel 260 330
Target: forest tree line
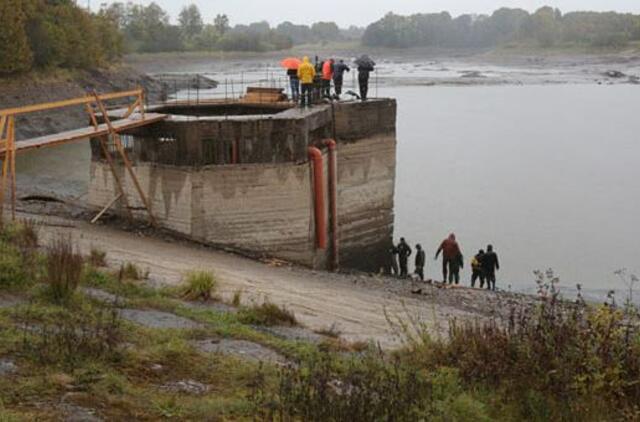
pixel 148 29
pixel 546 28
pixel 39 34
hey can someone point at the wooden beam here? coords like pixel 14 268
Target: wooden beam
pixel 131 109
pixel 84 133
pixel 11 135
pixel 3 121
pixel 3 184
pixel 109 205
pixel 67 103
pixel 125 160
pixel 116 177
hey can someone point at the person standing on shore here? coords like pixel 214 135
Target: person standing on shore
pixel 393 256
pixel 451 259
pixel 420 261
pixel 404 250
pixel 476 269
pixel 338 75
pixel 306 73
pixel 490 265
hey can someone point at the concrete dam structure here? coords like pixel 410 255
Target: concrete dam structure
pixel 314 186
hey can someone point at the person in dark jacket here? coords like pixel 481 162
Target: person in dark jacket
pixel 404 251
pixel 489 266
pixel 365 67
pixel 393 256
pixel 420 261
pixel 294 82
pixel 476 269
pixel 451 259
pixel 338 75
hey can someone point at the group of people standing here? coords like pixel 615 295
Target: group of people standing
pixel 483 265
pixel 310 82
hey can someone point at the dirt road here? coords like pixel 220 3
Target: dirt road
pixel 353 303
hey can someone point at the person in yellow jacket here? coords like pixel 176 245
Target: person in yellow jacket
pixel 306 73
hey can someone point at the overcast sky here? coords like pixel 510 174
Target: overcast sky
pixel 363 12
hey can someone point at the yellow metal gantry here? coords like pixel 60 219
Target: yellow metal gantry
pixel 9 147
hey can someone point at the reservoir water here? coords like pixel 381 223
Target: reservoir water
pixel 549 174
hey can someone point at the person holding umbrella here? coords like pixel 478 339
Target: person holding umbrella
pixel 292 64
pixel 365 66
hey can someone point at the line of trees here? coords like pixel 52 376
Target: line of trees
pixel 148 29
pixel 547 27
pixel 54 33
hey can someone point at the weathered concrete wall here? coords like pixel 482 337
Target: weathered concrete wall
pixel 263 205
pixel 256 209
pixel 261 209
pixel 169 189
pixel 366 182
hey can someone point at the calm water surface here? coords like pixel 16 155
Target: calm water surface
pixel 550 175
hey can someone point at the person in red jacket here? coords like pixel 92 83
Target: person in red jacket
pixel 451 259
pixel 327 75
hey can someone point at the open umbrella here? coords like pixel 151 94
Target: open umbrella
pixel 365 61
pixel 291 63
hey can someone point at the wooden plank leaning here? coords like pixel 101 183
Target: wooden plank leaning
pixel 125 159
pixel 114 172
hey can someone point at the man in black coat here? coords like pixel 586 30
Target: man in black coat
pixel 420 260
pixel 365 67
pixel 338 75
pixel 489 266
pixel 404 250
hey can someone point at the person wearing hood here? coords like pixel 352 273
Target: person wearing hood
pixel 420 261
pixel 327 76
pixel 451 259
pixel 489 266
pixel 306 73
pixel 365 67
pixel 404 251
pixel 338 74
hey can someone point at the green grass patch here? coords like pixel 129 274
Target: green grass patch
pixel 199 285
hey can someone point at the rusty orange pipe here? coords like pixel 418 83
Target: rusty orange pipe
pixel 333 201
pixel 315 156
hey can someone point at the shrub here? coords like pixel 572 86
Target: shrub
pixel 97 258
pixel 63 269
pixel 268 314
pixel 375 387
pixel 130 271
pixel 237 298
pixel 199 285
pixel 12 271
pixel 70 336
pixel 554 358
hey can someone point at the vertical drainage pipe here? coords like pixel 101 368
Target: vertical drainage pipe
pixel 315 157
pixel 333 202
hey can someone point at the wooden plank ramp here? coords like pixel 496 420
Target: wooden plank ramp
pixel 86 132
